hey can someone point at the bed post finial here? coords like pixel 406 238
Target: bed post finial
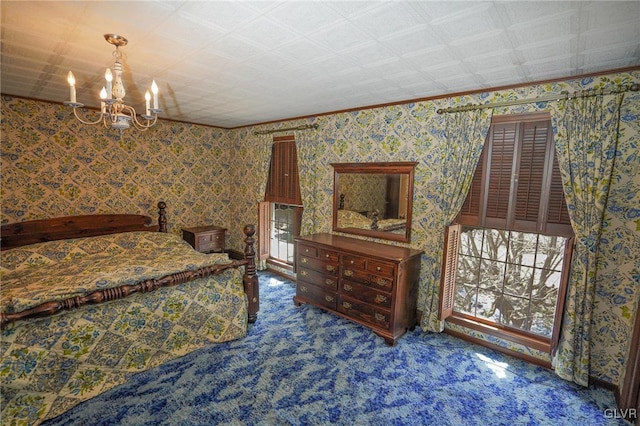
pixel 162 217
pixel 250 278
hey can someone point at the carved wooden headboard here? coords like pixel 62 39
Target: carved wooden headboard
pixel 60 228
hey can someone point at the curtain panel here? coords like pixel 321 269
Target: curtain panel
pixel 465 133
pixel 308 154
pixel 586 136
pixel 262 146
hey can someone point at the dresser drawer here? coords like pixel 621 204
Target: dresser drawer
pixel 316 295
pixel 381 268
pixel 307 251
pixel 365 312
pixel 366 294
pixel 319 265
pixel 354 274
pixel 328 282
pixel 379 282
pixel 329 255
pixel 357 262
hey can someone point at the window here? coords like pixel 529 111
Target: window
pixel 282 230
pixel 280 214
pixel 510 278
pixel 507 255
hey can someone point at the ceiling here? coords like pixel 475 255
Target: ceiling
pixel 236 63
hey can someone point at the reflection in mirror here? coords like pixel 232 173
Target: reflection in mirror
pixel 374 199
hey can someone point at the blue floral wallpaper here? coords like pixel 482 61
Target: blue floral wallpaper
pixel 52 166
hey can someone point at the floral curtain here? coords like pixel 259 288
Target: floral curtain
pixel 262 144
pixel 308 155
pixel 586 137
pixel 465 133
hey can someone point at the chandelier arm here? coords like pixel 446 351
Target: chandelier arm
pixel 134 118
pixel 100 118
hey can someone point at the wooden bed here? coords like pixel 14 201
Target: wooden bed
pixel 66 339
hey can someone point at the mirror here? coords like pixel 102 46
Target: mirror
pixel 373 199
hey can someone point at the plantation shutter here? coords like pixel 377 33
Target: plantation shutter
pixel 449 268
pixel 500 165
pixel 517 184
pixel 264 219
pixel 283 184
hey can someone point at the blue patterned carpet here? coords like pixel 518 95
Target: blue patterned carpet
pixel 300 366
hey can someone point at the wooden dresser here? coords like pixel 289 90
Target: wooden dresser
pixel 372 284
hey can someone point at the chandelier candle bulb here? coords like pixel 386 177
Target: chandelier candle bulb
pixel 147 98
pixel 103 96
pixel 72 87
pixel 109 77
pixel 154 89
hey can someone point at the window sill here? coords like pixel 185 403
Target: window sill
pixel 280 264
pixel 541 344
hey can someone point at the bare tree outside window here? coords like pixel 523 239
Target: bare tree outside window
pixel 510 278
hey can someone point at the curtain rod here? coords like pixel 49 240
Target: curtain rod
pixel 549 98
pixel 301 127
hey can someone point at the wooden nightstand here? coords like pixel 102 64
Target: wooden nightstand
pixel 205 239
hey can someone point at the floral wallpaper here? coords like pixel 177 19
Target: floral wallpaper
pixel 53 166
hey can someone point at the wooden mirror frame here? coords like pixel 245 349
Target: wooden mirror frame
pixel 397 168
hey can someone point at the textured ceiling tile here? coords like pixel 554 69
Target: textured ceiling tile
pixel 340 37
pixel 303 17
pixel 266 33
pixel 388 19
pixel 220 14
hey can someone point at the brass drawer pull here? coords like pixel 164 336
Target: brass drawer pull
pixel 328 281
pixel 352 262
pixel 306 250
pixel 378 268
pixel 348 273
pixel 347 287
pixel 303 289
pixel 382 282
pixel 303 273
pixel 380 298
pixel 346 305
pixel 380 317
pixel 328 298
pixel 303 260
pixel 327 255
pixel 331 268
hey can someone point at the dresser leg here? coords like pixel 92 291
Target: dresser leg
pixel 389 341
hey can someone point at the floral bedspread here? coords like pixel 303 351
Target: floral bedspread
pixel 48 365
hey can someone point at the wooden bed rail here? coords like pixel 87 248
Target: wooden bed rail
pixel 250 281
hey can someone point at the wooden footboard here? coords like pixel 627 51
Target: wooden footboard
pixel 24 233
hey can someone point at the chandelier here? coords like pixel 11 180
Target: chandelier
pixel 114 112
